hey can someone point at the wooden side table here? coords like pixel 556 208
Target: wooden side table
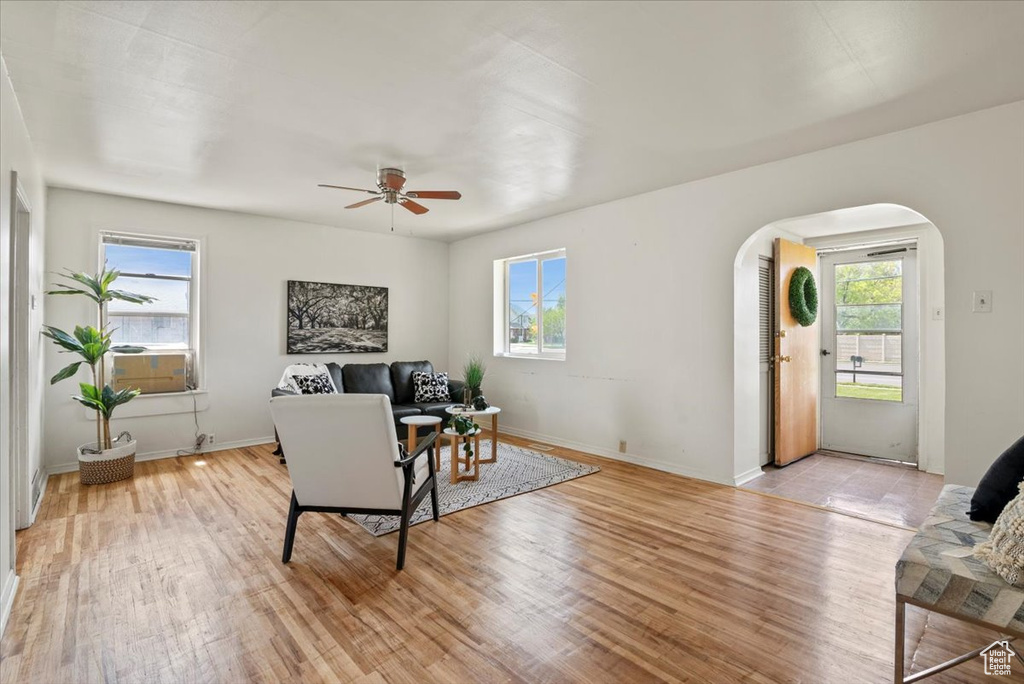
pixel 472 464
pixel 414 422
pixel 491 411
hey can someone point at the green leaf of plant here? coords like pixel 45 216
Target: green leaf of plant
pixel 65 372
pixel 127 349
pixel 132 297
pixel 62 339
pixel 89 391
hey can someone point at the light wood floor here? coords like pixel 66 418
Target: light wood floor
pixel 628 575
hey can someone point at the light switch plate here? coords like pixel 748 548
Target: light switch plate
pixel 982 301
pixel 938 312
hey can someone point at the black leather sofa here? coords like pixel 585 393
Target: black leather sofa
pixel 395 381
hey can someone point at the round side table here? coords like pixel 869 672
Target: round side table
pixel 472 463
pixel 491 411
pixel 414 422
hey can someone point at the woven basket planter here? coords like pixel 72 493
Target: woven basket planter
pixel 110 465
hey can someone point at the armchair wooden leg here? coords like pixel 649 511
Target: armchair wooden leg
pixel 403 536
pixel 433 501
pixel 289 533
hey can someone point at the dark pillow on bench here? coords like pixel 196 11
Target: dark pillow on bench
pixel 999 485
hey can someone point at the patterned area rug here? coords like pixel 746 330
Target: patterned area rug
pixel 518 470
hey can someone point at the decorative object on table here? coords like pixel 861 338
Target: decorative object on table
pixel 480 403
pixel 803 296
pixel 430 387
pixel 465 426
pixel 1003 551
pixel 104 460
pixel 329 318
pixel 518 471
pixel 473 375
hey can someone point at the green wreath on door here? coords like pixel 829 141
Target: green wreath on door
pixel 803 296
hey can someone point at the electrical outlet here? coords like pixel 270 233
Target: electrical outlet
pixel 211 438
pixel 622 446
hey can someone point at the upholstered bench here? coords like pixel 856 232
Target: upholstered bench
pixel 938 572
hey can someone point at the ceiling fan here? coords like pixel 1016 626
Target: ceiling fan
pixel 389 188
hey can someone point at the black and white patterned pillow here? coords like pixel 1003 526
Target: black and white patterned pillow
pixel 430 387
pixel 315 384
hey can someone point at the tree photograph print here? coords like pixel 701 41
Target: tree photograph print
pixel 330 318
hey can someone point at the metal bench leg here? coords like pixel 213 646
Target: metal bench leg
pixel 901 614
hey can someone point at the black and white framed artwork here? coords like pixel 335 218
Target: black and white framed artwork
pixel 325 318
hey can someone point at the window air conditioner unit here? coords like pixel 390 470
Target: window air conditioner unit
pixel 152 373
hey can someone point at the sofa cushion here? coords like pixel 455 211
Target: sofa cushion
pixel 401 411
pixel 368 378
pixel 430 387
pixel 335 371
pixel 315 384
pixel 999 485
pixel 401 378
pixel 434 409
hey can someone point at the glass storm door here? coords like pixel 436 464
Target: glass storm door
pixel 869 369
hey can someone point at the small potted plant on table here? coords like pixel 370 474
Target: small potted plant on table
pixel 473 375
pixel 104 460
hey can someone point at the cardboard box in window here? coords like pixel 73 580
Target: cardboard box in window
pixel 151 373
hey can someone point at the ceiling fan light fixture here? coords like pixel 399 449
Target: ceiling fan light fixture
pixel 390 182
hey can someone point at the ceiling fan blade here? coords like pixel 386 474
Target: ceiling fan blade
pixel 414 207
pixel 434 194
pixel 342 187
pixel 393 181
pixel 364 203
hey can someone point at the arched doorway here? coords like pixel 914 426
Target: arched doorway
pixel 875 224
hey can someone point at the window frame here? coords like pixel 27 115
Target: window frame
pixel 194 346
pixel 504 347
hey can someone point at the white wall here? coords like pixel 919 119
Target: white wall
pixel 246 261
pixel 16 155
pixel 650 295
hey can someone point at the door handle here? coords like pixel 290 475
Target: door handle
pixel 782 359
pixel 825 352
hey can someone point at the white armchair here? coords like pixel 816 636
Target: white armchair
pixel 344 457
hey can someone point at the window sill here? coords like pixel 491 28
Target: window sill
pixel 535 357
pixel 160 405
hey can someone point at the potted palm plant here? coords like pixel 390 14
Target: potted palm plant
pixel 473 375
pixel 106 459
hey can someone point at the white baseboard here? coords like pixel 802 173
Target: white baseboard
pixel 10 590
pixel 744 478
pixel 166 453
pixel 664 466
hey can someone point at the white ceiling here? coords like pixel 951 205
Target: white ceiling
pixel 530 109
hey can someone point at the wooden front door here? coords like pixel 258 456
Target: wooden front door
pixel 796 361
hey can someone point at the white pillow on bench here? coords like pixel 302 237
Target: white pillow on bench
pixel 1004 550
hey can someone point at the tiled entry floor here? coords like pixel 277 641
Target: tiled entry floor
pixel 884 492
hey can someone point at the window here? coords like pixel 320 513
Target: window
pixel 534 306
pixel 869 330
pixel 163 268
